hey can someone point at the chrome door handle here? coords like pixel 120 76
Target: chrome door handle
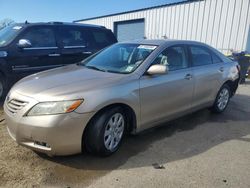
pixel 54 55
pixel 188 77
pixel 87 52
pixel 221 69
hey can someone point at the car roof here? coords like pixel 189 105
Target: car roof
pixel 160 42
pixel 60 23
pixel 168 42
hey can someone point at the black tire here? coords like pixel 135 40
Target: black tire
pixel 3 87
pixel 94 139
pixel 216 108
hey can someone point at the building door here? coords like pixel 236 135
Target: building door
pixel 129 30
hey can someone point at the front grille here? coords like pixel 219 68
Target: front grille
pixel 15 105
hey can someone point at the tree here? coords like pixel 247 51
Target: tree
pixel 5 22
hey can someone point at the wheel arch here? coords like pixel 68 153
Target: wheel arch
pixel 130 115
pixel 2 73
pixel 233 85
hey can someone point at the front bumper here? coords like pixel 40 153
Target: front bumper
pixel 51 134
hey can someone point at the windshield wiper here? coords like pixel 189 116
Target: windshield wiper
pixel 113 71
pixel 95 68
pixel 103 70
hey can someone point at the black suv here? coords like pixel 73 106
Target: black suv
pixel 29 48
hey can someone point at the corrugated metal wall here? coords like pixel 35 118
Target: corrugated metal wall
pixel 223 24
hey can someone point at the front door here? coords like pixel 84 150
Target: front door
pixel 164 96
pixel 43 53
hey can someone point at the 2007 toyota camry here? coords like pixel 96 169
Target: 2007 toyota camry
pixel 125 88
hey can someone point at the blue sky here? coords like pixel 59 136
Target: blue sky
pixel 66 10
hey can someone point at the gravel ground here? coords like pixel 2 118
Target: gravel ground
pixel 198 150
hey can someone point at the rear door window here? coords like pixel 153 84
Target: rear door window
pixel 40 37
pixel 200 56
pixel 101 37
pixel 71 37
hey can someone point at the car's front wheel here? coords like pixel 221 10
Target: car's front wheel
pixel 105 132
pixel 2 87
pixel 222 99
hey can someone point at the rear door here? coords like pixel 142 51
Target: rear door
pixel 73 43
pixel 208 71
pixel 43 53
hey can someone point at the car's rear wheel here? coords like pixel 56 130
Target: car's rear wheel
pixel 105 132
pixel 222 99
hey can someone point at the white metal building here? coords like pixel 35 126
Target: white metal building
pixel 224 24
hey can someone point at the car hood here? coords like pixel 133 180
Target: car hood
pixel 64 82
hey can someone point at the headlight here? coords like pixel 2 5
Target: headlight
pixel 59 107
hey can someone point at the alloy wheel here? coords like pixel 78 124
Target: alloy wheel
pixel 223 99
pixel 114 131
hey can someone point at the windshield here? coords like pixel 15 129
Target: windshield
pixel 8 33
pixel 119 58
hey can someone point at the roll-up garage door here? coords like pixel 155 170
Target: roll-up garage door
pixel 129 30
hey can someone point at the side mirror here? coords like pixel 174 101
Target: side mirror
pixel 24 43
pixel 157 69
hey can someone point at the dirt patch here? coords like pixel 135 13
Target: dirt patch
pixel 164 148
pixel 21 167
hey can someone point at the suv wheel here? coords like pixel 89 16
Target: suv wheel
pixel 222 99
pixel 105 132
pixel 2 87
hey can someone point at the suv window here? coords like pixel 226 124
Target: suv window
pixel 174 57
pixel 102 38
pixel 200 56
pixel 40 37
pixel 72 37
pixel 8 33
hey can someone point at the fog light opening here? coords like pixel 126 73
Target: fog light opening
pixel 44 144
